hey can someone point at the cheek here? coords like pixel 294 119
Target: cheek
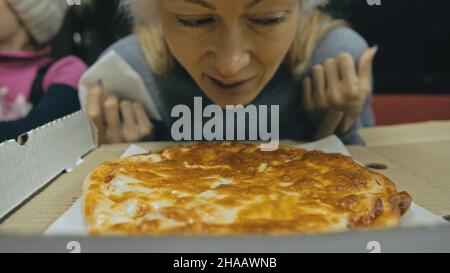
pixel 271 49
pixel 8 22
pixel 186 47
pixel 186 50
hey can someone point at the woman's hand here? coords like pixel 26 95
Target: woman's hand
pixel 337 85
pixel 117 121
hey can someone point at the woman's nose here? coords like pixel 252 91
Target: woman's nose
pixel 231 54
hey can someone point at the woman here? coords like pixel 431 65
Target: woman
pixel 34 88
pixel 230 52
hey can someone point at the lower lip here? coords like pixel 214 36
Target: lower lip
pixel 240 88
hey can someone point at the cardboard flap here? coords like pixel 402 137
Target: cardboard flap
pixel 425 191
pixel 406 133
pixel 421 150
pixel 43 154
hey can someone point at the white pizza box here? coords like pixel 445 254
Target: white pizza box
pixel 421 150
pixel 41 177
pixel 28 164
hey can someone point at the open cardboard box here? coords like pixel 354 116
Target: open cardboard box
pixel 418 160
pixel 54 160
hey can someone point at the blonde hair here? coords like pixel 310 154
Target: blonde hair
pixel 311 29
pixel 154 47
pixel 313 25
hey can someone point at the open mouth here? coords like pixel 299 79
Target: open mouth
pixel 238 85
pixel 224 85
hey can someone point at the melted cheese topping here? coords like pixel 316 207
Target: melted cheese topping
pixel 234 188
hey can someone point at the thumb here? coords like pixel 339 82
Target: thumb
pixel 94 107
pixel 365 65
pixel 95 98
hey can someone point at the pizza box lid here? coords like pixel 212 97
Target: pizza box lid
pixel 37 157
pixel 404 134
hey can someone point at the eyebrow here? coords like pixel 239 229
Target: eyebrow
pixel 211 6
pixel 253 3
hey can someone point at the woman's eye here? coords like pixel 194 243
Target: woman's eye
pixel 268 21
pixel 195 23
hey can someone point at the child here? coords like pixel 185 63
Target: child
pixel 34 88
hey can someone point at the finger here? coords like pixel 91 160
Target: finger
pixel 365 66
pixel 94 107
pixel 332 75
pixel 347 69
pixel 126 108
pixel 319 86
pixel 111 110
pixel 144 124
pixel 130 129
pixel 307 94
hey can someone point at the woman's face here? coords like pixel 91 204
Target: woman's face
pixel 231 48
pixel 9 23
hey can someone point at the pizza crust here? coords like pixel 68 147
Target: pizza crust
pixel 232 188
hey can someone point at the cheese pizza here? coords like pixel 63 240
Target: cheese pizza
pixel 232 188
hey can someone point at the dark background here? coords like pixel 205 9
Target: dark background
pixel 413 36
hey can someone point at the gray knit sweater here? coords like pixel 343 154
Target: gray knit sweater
pixel 284 89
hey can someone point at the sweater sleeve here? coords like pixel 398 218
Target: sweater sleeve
pixel 59 100
pixel 338 41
